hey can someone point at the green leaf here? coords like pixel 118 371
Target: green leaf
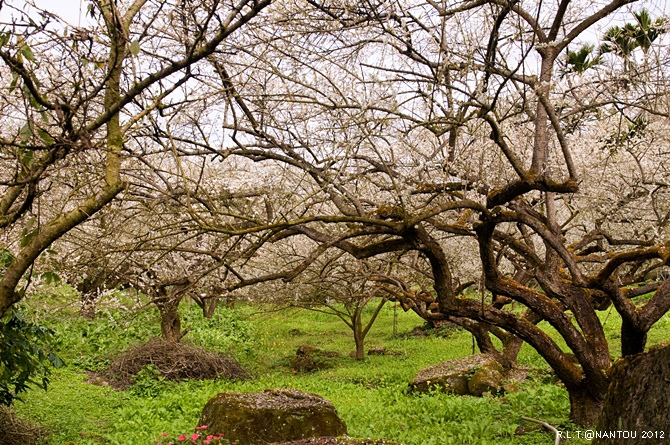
pixel 51 277
pixel 25 132
pixel 6 258
pixel 135 47
pixel 27 53
pixel 25 240
pixel 55 360
pixel 28 158
pixel 46 137
pixel 15 78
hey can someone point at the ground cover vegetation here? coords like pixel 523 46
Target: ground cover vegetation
pixel 498 165
pixel 370 396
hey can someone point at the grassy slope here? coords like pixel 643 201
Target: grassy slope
pixel 370 396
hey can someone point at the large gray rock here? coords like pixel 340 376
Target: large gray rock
pixel 472 375
pixel 274 415
pixel 637 401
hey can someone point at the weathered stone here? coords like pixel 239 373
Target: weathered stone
pixel 454 376
pixel 377 350
pixel 307 350
pixel 382 350
pixel 419 331
pixel 637 400
pixel 274 415
pixel 485 380
pixel 309 358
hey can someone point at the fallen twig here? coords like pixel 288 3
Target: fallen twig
pixel 546 425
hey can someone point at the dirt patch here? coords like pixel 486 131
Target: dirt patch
pixel 174 362
pixel 15 431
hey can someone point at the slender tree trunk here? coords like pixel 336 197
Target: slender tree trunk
pixel 209 310
pixel 360 344
pixel 359 333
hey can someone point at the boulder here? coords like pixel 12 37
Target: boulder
pixel 637 401
pixel 472 375
pixel 485 380
pixel 274 415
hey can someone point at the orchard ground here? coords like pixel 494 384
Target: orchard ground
pixel 371 396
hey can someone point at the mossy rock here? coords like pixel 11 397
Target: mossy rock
pixel 485 380
pixel 274 415
pixel 305 350
pixel 454 376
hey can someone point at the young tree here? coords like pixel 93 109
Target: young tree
pixel 341 287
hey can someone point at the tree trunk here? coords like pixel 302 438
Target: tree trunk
pixel 359 332
pixel 585 408
pixel 637 400
pixel 360 345
pixel 210 308
pixel 170 320
pixel 633 340
pixel 87 310
pixel 511 347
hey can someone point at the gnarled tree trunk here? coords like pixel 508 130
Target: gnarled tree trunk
pixel 637 400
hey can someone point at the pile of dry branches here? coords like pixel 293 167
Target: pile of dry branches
pixel 174 362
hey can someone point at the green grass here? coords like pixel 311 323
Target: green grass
pixel 370 396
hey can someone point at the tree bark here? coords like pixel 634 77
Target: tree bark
pixel 637 400
pixel 360 346
pixel 633 340
pixel 585 408
pixel 170 320
pixel 359 334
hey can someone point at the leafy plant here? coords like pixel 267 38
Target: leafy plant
pixel 25 356
pixel 148 382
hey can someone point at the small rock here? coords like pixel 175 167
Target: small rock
pixel 418 331
pixel 377 350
